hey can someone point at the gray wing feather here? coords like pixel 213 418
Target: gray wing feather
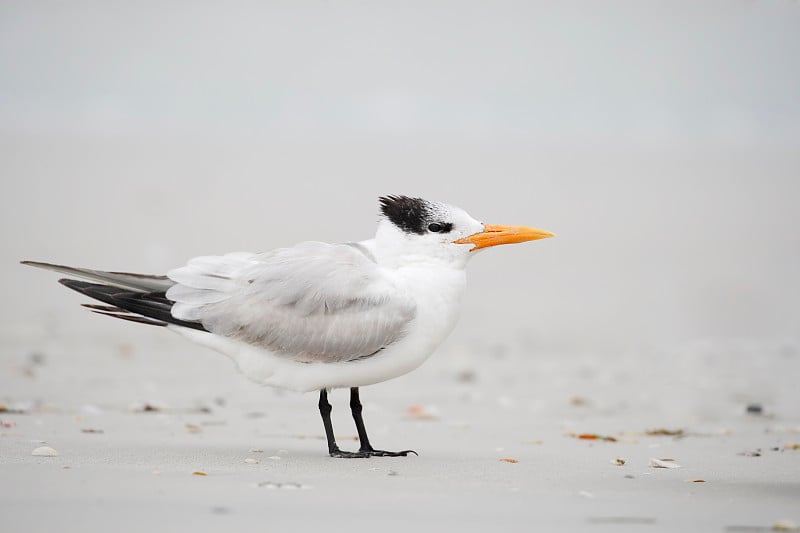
pixel 127 280
pixel 315 302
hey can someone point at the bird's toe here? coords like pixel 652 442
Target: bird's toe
pixel 384 453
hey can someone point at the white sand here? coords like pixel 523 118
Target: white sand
pixel 475 407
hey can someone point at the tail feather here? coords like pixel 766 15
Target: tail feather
pixel 133 318
pixel 144 307
pixel 104 308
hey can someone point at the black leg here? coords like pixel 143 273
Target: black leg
pixel 333 449
pixel 366 447
pixel 355 408
pixel 325 410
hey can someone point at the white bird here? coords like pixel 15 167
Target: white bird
pixel 318 316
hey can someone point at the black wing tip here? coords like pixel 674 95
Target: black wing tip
pixel 75 284
pixel 153 306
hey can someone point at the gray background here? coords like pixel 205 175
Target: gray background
pixel 660 141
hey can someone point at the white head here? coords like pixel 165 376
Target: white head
pixel 417 230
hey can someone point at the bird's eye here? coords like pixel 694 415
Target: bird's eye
pixel 435 227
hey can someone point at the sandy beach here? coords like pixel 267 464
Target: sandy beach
pixel 160 436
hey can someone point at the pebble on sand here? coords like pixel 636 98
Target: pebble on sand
pixel 45 451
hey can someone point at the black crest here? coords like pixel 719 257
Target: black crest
pixel 408 214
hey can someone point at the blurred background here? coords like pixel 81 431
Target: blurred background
pixel 659 140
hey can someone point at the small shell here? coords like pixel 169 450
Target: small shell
pixel 663 463
pixel 251 461
pixel 45 451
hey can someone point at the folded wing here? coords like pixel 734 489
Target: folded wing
pixel 314 302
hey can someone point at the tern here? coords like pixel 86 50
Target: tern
pixel 318 316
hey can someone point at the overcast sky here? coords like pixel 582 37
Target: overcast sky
pixel 660 141
pixel 659 69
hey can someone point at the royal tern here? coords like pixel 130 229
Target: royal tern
pixel 318 316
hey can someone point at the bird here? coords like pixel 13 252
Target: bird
pixel 317 316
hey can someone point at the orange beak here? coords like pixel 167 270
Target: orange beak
pixel 492 235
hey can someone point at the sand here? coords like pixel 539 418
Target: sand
pixel 498 431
